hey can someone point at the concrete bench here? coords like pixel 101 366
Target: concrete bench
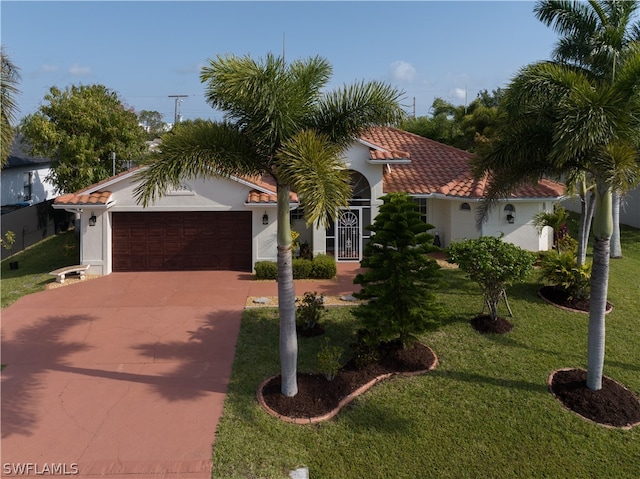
pixel 61 273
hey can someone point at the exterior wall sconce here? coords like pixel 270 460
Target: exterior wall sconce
pixel 265 218
pixel 511 213
pixel 92 219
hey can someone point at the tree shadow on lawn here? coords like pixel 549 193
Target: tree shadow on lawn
pixel 367 416
pixel 491 381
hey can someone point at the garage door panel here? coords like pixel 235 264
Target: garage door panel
pixel 190 241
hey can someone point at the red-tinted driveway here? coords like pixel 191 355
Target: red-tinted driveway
pixel 125 374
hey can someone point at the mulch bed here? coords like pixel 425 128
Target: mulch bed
pixel 557 297
pixel 613 405
pixel 317 396
pixel 484 324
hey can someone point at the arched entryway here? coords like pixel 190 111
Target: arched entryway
pixel 346 234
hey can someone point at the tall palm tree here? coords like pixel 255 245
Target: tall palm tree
pixel 559 118
pixel 9 78
pixel 594 37
pixel 278 122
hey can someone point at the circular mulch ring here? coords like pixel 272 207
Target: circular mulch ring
pixel 320 400
pixel 484 324
pixel 560 299
pixel 612 406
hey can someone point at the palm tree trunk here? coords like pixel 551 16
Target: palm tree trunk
pixel 286 298
pixel 586 215
pixel 602 227
pixel 616 246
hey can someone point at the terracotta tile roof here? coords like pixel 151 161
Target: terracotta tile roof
pixel 436 168
pixel 99 198
pixel 385 155
pixel 265 182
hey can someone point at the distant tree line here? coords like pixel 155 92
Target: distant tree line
pixel 462 126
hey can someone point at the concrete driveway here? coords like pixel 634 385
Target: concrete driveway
pixel 125 374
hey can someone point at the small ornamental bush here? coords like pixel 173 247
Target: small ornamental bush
pixel 266 270
pixel 561 270
pixel 301 268
pixel 493 264
pixel 329 360
pixel 310 310
pixel 323 267
pixel 400 278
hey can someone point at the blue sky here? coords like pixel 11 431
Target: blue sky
pixel 148 50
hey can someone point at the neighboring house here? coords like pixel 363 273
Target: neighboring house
pixel 24 178
pixel 630 208
pixel 26 199
pixel 229 223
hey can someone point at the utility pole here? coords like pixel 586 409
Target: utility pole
pixel 176 114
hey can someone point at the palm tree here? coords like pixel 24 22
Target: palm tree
pixel 559 118
pixel 278 122
pixel 595 35
pixel 9 79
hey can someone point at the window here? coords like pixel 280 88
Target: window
pixel 465 207
pixel 27 185
pixel 297 214
pixel 422 208
pixel 510 213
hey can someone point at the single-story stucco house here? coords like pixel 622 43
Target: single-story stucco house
pixel 229 223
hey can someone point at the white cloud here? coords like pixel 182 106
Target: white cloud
pixel 79 70
pixel 49 68
pixel 402 71
pixel 459 93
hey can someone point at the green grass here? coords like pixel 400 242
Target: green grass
pixel 484 412
pixel 34 266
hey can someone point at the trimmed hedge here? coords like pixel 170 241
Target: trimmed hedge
pixel 266 270
pixel 320 267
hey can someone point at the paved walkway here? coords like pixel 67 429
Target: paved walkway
pixel 125 375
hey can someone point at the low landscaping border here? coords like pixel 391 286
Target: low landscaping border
pixel 361 390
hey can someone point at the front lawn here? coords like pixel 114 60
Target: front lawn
pixel 34 264
pixel 484 412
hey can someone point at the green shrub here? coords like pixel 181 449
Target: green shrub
pixel 493 264
pixel 323 267
pixel 266 270
pixel 366 348
pixel 301 268
pixel 561 270
pixel 310 310
pixel 329 360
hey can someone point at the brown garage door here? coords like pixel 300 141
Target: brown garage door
pixel 182 241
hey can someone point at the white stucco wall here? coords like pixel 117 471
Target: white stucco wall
pixel 521 232
pixel 13 185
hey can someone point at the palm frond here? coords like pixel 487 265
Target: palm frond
pixel 311 164
pixel 344 113
pixel 200 149
pixel 9 78
pixel 267 99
